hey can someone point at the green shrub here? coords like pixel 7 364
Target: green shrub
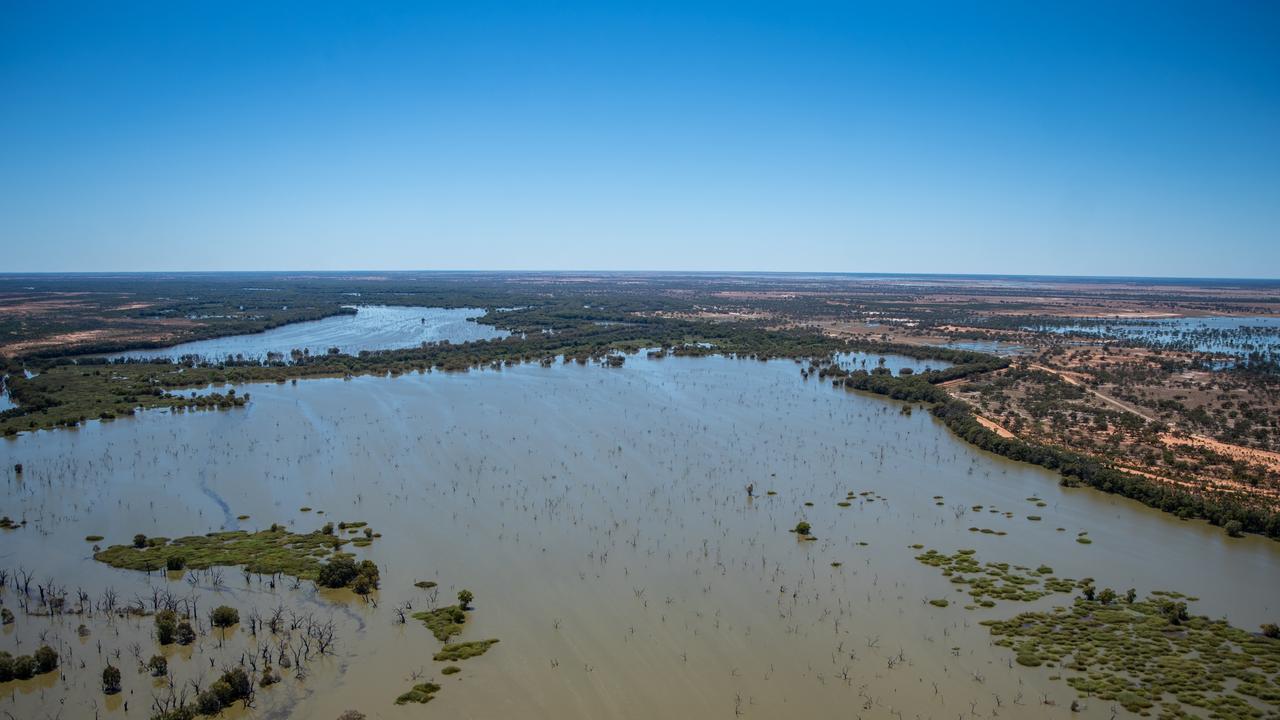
pixel 139 541
pixel 802 528
pixel 464 598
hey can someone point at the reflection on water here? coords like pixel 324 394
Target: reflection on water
pixel 894 363
pixel 600 519
pixel 373 327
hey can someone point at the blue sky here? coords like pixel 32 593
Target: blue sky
pixel 987 137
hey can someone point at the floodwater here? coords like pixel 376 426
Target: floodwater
pixel 6 403
pixel 893 363
pixel 600 519
pixel 994 347
pixel 1236 336
pixel 373 327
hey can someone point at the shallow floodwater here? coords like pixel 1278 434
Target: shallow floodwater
pixel 893 363
pixel 373 327
pixel 994 347
pixel 600 519
pixel 1236 336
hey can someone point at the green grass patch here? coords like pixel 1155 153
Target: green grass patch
pixel 275 550
pixel 455 652
pixel 444 622
pixel 421 693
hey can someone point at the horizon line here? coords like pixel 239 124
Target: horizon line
pixel 7 274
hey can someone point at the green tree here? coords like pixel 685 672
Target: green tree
pixel 24 667
pixel 224 616
pixel 110 679
pixel 166 626
pixel 46 659
pixel 338 572
pixel 158 665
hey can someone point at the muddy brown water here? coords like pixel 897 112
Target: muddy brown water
pixel 600 519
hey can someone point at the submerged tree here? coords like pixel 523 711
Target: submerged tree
pixel 111 680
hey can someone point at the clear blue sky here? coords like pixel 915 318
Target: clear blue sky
pixel 1021 137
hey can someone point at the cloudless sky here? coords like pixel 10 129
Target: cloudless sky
pixel 1110 138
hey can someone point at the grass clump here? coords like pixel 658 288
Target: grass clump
pixel 444 622
pixel 451 670
pixel 464 650
pixel 1137 653
pixel 421 693
pixel 270 551
pixel 988 582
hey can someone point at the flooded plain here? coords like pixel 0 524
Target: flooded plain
pixel 1237 336
pixel 599 517
pixel 372 327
